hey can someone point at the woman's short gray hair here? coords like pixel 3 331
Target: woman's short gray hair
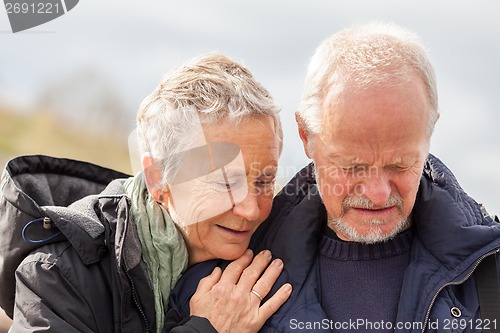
pixel 204 90
pixel 362 55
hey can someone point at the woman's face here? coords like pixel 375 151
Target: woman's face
pixel 226 189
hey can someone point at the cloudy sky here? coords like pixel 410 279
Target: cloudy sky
pixel 131 44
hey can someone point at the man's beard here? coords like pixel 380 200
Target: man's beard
pixel 375 234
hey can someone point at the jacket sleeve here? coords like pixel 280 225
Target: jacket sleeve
pixel 49 299
pixel 195 325
pixel 192 324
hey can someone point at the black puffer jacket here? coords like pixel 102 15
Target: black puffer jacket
pixel 83 274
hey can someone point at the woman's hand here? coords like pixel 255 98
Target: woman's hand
pixel 232 300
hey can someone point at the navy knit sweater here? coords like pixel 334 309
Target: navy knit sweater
pixel 360 283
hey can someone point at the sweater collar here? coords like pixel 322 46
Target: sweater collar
pixel 331 246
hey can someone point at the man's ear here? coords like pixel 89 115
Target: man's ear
pixel 304 134
pixel 153 176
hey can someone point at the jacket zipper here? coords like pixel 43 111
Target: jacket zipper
pixel 455 283
pixel 136 301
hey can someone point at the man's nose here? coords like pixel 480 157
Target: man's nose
pixel 377 188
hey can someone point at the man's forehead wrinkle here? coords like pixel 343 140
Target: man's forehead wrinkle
pixel 392 158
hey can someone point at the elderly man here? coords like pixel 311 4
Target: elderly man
pixel 376 234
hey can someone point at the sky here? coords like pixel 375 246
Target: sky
pixel 132 44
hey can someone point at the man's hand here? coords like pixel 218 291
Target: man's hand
pixel 232 301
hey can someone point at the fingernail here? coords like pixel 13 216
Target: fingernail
pixel 266 254
pixel 278 263
pixel 287 287
pixel 248 252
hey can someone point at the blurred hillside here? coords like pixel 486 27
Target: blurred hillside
pixel 43 132
pixel 79 114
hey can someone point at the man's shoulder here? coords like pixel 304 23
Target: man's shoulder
pixel 301 187
pixel 297 214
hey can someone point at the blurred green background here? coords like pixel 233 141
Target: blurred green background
pixel 44 132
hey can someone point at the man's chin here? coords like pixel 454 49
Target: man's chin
pixel 370 232
pixel 374 235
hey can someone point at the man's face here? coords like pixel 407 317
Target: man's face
pixel 369 158
pixel 221 209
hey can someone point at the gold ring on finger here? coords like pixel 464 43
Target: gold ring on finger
pixel 256 294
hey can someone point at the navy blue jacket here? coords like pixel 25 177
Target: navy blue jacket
pixel 439 289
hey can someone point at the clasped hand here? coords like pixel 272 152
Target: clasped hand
pixel 232 300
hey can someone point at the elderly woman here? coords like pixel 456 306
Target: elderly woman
pixel 210 138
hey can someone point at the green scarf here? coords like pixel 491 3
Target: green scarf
pixel 163 248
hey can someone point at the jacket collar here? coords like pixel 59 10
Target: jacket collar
pixel 80 224
pixel 449 223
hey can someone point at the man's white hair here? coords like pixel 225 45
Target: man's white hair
pixel 206 89
pixel 360 56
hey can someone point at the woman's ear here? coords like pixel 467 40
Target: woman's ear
pixel 153 176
